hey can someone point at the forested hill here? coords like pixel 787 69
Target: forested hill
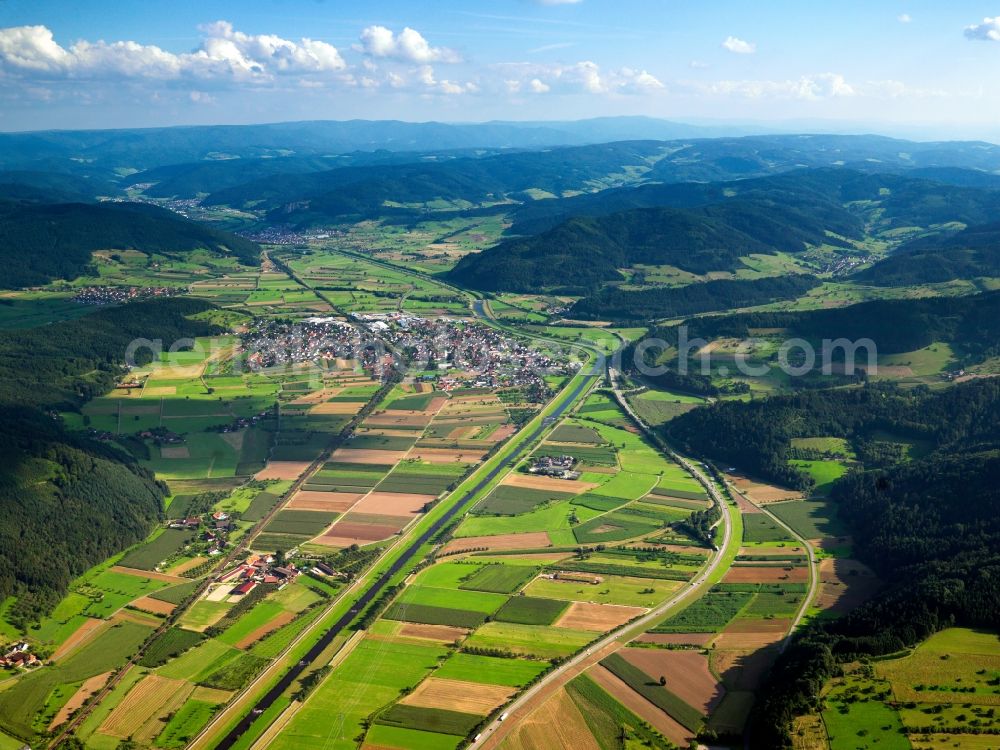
pixel 972 253
pixel 970 324
pixel 699 240
pixel 931 530
pixel 68 502
pixel 377 190
pixel 42 242
pixel 842 199
pixel 965 416
pixel 616 304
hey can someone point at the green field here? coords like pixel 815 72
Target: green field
pixel 824 473
pixel 531 640
pixel 422 719
pixel 709 614
pixel 760 527
pixel 529 610
pixel 169 645
pixel 111 650
pixel 490 670
pixel 370 677
pixel 498 578
pixel 631 592
pixel 149 555
pixel 811 519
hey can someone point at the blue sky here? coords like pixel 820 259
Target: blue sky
pixel 888 65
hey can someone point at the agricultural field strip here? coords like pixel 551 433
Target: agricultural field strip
pixel 728 548
pixel 374 487
pixel 571 393
pixel 516 445
pixel 313 468
pixel 814 577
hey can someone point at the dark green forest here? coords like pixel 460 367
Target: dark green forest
pixel 963 417
pixel 931 530
pixel 66 501
pixel 970 324
pixel 42 242
pixel 671 302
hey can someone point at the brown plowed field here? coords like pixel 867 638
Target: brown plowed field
pixel 337 407
pixel 150 574
pixel 282 470
pixel 393 503
pixel 764 493
pixel 750 574
pixel 187 565
pixel 596 617
pixel 844 584
pixel 687 673
pixel 367 456
pixel 527 540
pixel 447 455
pixel 752 633
pixel 555 725
pixel 442 633
pixel 689 639
pixel 455 695
pixel 408 418
pixel 337 502
pixel 255 635
pixel 81 635
pixel 641 707
pixel 78 698
pixel 743 669
pixel 150 696
pixel 316 396
pixel 157 607
pixel 531 482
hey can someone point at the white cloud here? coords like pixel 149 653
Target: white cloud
pixel 739 46
pixel 582 77
pixel 223 54
pixel 904 18
pixel 409 46
pixel 987 31
pixel 430 85
pixel 698 64
pixel 809 88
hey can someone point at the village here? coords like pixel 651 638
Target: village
pixel 270 343
pixel 118 295
pixel 484 357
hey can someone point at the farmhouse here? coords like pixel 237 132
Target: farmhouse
pixel 560 467
pixel 244 588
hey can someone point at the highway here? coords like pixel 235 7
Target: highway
pixel 379 585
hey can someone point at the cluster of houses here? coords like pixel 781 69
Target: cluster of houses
pixel 246 576
pixel 215 534
pixel 560 467
pixel 241 423
pixel 117 295
pixel 162 436
pixel 468 353
pixel 270 343
pixel 19 655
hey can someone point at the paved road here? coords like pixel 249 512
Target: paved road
pixel 377 587
pixel 493 734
